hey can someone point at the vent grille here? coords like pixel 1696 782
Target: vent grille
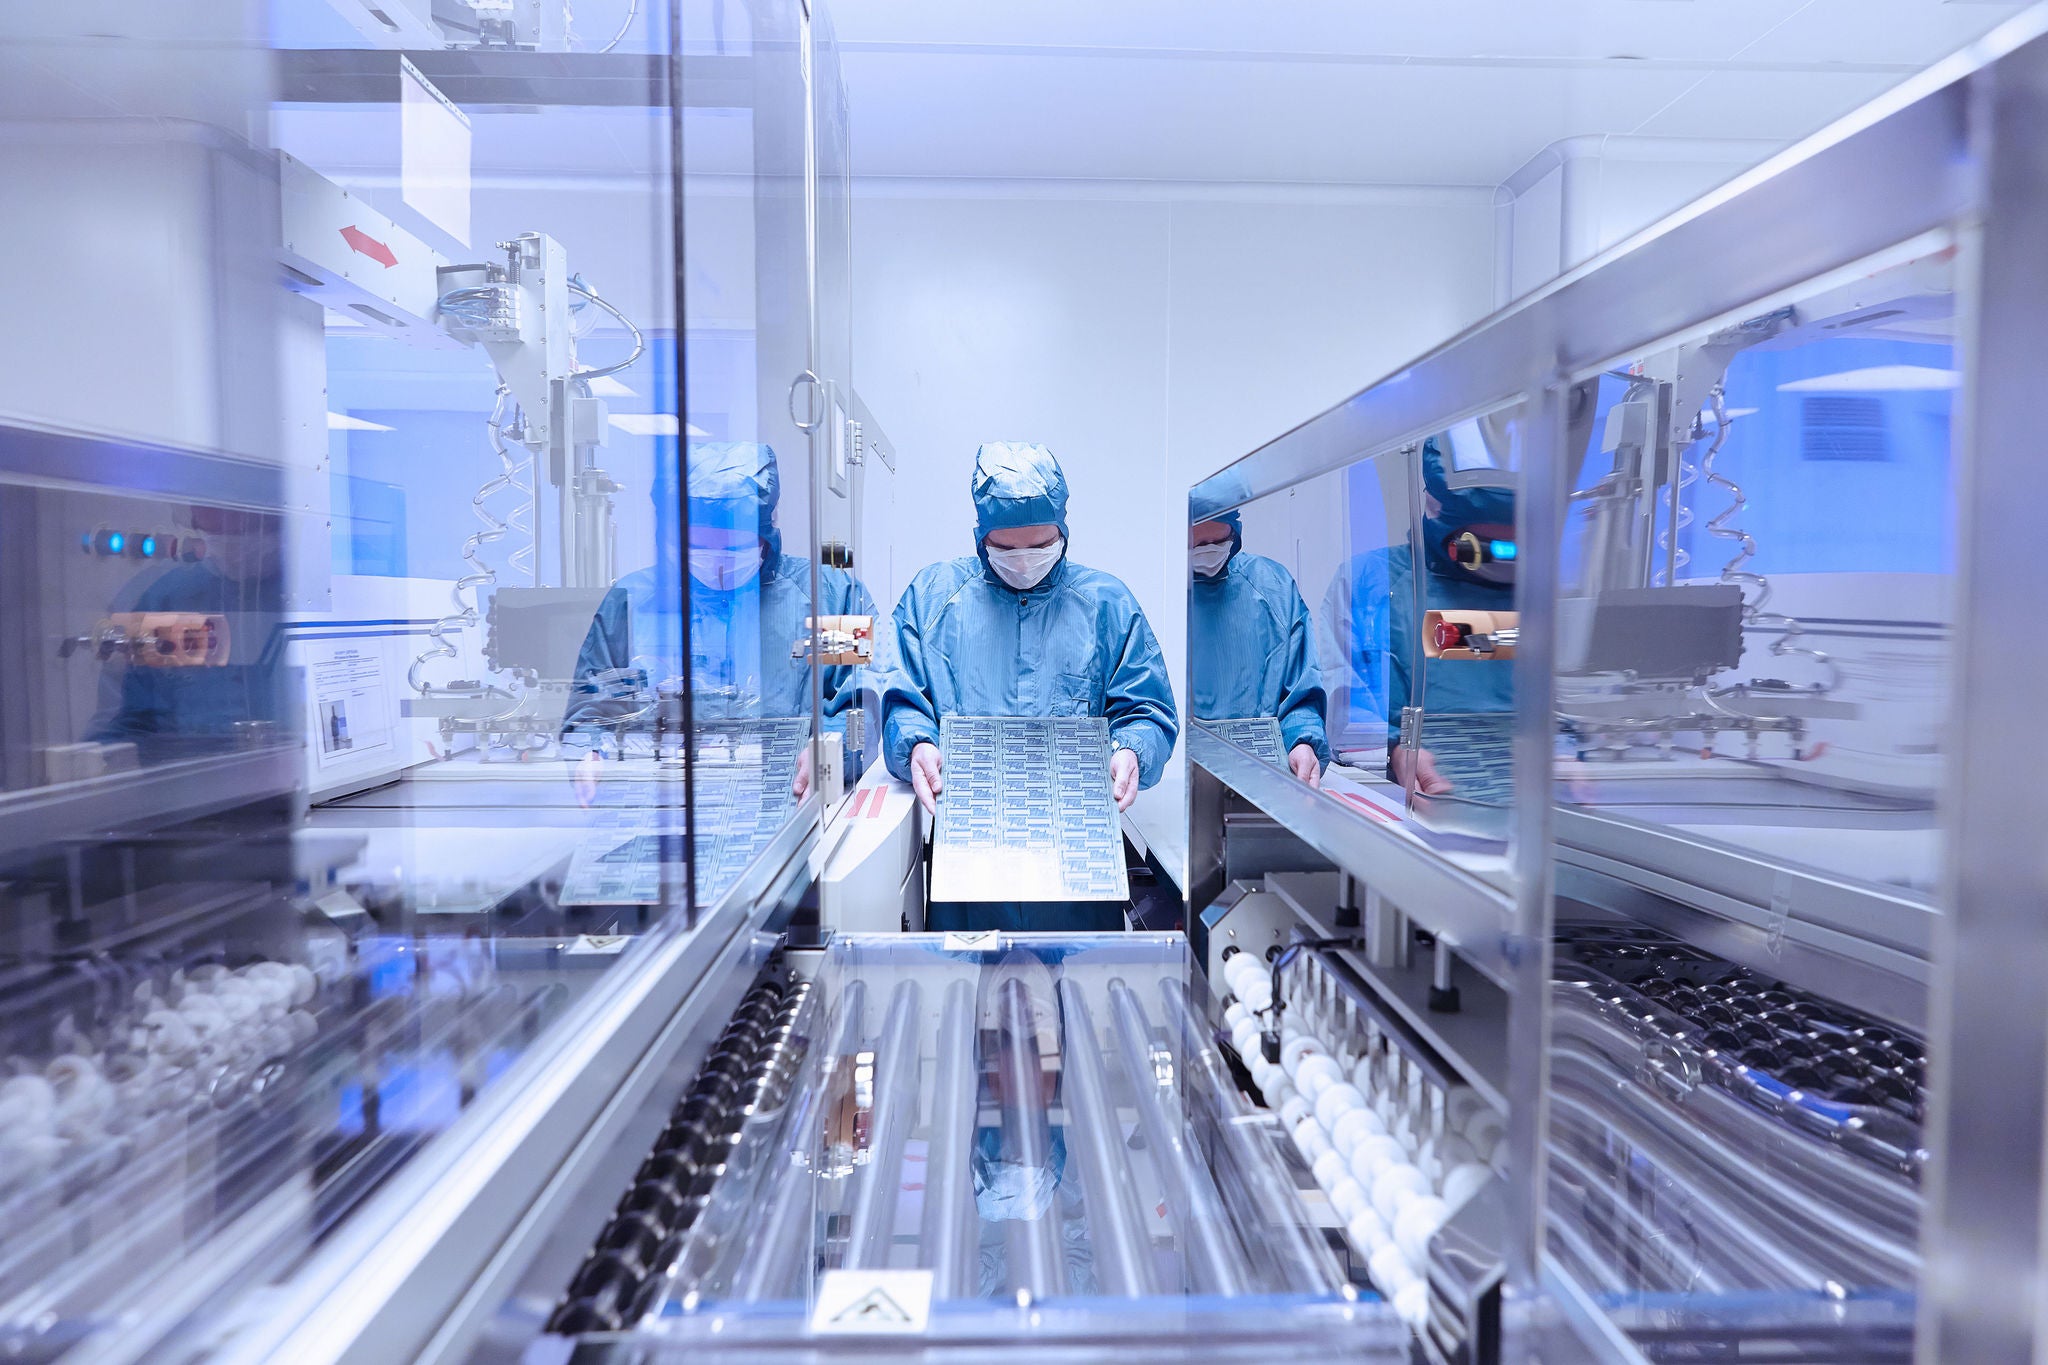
pixel 1844 429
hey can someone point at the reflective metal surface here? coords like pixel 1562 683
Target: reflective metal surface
pixel 1764 451
pixel 1104 1189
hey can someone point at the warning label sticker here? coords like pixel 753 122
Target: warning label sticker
pixel 852 1302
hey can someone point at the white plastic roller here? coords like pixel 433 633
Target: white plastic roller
pixel 1317 1071
pixel 1373 1155
pixel 1416 1224
pixel 1335 1101
pixel 1354 1127
pixel 1465 1181
pixel 1394 1187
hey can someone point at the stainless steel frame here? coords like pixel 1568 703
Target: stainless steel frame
pixel 1981 1299
pixel 1471 911
pixel 1959 155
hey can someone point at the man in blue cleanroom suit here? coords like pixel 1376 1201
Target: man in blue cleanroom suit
pixel 1371 612
pixel 1019 629
pixel 1251 644
pixel 748 603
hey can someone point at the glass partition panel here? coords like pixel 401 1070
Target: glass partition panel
pixel 1758 557
pixel 1318 647
pixel 1753 636
pixel 1254 671
pixel 748 562
pixel 1460 780
pixel 359 607
pixel 856 643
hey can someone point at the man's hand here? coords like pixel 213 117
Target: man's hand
pixel 585 778
pixel 1123 778
pixel 928 775
pixel 1422 763
pixel 1302 758
pixel 802 784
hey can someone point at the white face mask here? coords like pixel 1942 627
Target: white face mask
pixel 1208 560
pixel 725 568
pixel 1024 568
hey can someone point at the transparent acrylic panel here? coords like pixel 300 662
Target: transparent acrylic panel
pixel 1460 780
pixel 1769 678
pixel 857 646
pixel 1752 637
pixel 1312 636
pixel 750 575
pixel 1039 1132
pixel 1268 672
pixel 342 602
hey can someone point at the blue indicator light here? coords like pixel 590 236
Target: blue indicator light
pixel 149 547
pixel 1501 549
pixel 116 542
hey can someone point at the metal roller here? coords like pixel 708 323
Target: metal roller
pixel 947 1248
pixel 1216 1263
pixel 771 1270
pixel 1123 1253
pixel 874 1202
pixel 1299 1260
pixel 1034 1245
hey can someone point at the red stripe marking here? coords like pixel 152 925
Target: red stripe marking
pixel 1370 809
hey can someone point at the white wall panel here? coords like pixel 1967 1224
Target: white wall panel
pixel 1147 338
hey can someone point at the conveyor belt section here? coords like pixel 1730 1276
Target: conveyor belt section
pixel 1819 1066
pixel 750 1068
pixel 1703 1156
pixel 1023 1132
pixel 1398 1152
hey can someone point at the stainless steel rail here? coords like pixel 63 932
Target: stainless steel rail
pixel 1435 893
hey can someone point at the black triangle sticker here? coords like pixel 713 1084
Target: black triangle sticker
pixel 873 1306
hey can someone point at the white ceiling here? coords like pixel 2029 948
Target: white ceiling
pixel 1407 92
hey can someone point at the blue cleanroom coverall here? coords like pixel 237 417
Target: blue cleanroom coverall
pixel 1074 644
pixel 1252 647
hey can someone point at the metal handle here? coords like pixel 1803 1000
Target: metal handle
pixel 807 377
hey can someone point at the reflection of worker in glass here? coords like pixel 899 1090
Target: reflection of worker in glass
pixel 748 601
pixel 1252 645
pixel 201 667
pixel 1019 629
pixel 1468 530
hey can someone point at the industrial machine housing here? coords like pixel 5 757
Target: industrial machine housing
pixel 389 981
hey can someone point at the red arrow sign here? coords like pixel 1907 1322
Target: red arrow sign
pixel 367 245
